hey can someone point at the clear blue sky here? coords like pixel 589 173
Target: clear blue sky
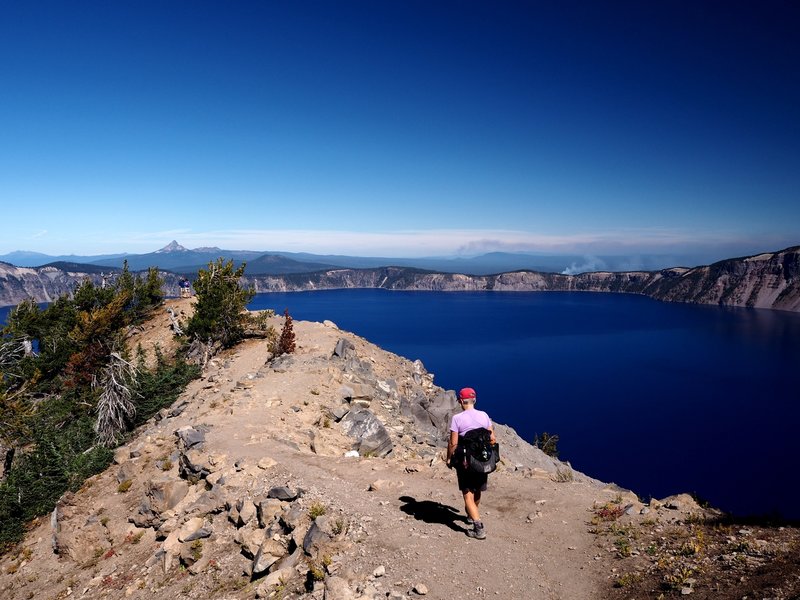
pixel 400 128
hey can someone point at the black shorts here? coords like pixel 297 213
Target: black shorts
pixel 469 481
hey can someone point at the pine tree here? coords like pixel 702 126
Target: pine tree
pixel 219 314
pixel 286 342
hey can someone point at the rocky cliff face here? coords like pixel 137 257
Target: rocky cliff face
pixel 45 284
pixel 770 280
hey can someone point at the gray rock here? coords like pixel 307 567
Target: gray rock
pixel 165 494
pixel 282 364
pixel 337 588
pixel 246 513
pixel 199 534
pixel 250 540
pixel 315 537
pixel 212 501
pixel 125 472
pixel 293 517
pixel 267 510
pixel 358 394
pixel 145 516
pixel 282 493
pixel 441 408
pixel 266 587
pixel 178 409
pixel 268 554
pixel 343 346
pixel 338 412
pixel 190 437
pixel 193 464
pixel 423 423
pixel 362 425
pixel 290 561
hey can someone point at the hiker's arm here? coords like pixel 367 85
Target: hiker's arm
pixel 491 430
pixel 451 444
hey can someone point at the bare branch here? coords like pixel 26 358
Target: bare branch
pixel 114 407
pixel 176 326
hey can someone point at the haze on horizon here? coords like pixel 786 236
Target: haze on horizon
pixel 434 128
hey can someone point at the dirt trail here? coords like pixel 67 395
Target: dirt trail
pixel 415 519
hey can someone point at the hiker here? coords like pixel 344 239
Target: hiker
pixel 469 483
pixel 186 289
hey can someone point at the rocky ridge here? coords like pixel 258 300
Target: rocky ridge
pixel 320 475
pixel 769 280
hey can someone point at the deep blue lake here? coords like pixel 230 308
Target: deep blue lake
pixel 659 398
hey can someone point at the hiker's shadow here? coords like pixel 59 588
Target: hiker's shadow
pixel 433 512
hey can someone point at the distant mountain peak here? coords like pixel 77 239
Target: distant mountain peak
pixel 207 249
pixel 173 246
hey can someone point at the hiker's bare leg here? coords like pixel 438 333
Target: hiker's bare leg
pixel 470 506
pixel 476 496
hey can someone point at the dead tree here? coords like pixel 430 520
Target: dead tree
pixel 174 323
pixel 115 406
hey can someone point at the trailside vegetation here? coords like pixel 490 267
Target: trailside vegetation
pixel 286 341
pixel 220 319
pixel 547 443
pixel 219 316
pixel 70 391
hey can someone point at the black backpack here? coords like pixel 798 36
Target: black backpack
pixel 479 454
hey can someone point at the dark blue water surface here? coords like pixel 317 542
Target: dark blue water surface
pixel 656 397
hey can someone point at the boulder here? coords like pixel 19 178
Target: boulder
pixel 247 511
pixel 316 537
pixel 125 472
pixel 343 347
pixel 282 364
pixel 413 409
pixel 193 464
pixel 337 413
pixel 356 394
pixel 266 586
pixel 165 494
pixel 250 541
pixel 337 588
pixel 188 528
pixel 211 501
pixel 362 425
pixel 293 517
pixel 80 544
pixel 188 437
pixel 283 493
pixel 441 408
pixel 268 554
pixel 681 502
pixel 267 510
